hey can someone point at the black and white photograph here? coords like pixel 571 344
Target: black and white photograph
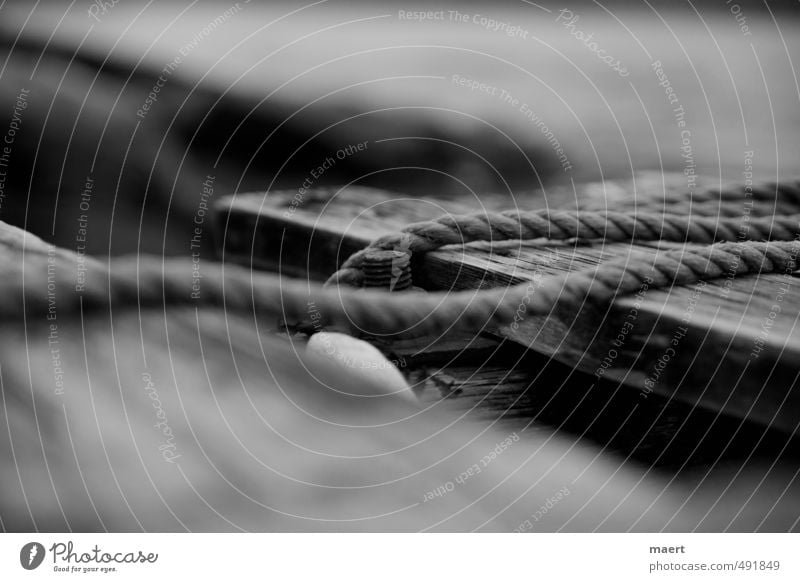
pixel 378 268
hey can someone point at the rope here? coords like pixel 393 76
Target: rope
pixel 48 287
pixel 153 283
pixel 423 237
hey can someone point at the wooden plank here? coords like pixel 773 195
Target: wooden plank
pixel 527 391
pixel 697 344
pixel 720 345
pixel 321 227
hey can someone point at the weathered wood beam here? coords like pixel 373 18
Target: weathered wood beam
pixel 722 345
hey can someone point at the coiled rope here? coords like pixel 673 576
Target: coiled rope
pixel 40 286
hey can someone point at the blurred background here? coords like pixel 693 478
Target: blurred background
pixel 146 100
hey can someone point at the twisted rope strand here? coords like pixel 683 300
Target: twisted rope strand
pixel 156 283
pixel 423 237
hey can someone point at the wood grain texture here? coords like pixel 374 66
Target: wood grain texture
pixel 722 345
